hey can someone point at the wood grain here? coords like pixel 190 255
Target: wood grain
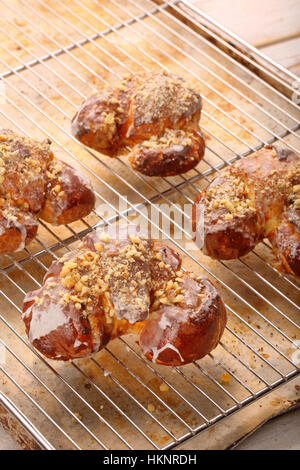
pixel 259 22
pixel 271 26
pixel 286 53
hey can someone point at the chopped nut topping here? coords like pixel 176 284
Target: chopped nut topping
pixel 179 298
pixel 151 408
pixel 104 237
pixel 171 137
pixel 99 247
pixel 296 188
pixel 128 275
pixel 163 387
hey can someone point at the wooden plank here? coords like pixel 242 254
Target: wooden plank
pixel 286 53
pixel 259 22
pixel 238 425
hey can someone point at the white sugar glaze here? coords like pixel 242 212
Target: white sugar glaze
pixel 78 343
pixel 43 324
pixel 164 322
pixel 23 232
pixel 156 352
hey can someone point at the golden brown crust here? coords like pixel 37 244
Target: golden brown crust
pixel 68 196
pixel 253 199
pixel 175 152
pixel 34 184
pixel 144 106
pixel 118 283
pixel 285 238
pixel 17 229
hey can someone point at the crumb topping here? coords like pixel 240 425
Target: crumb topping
pixel 27 169
pixel 33 183
pixel 141 106
pixel 127 275
pixel 294 196
pixel 170 138
pixel 255 183
pixel 231 193
pixel 23 163
pixel 161 95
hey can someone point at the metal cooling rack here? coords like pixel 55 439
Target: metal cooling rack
pixel 53 55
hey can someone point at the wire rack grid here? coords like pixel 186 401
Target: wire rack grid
pixel 53 55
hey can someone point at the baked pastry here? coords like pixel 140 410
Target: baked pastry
pixel 35 184
pixel 257 197
pixel 155 114
pixel 117 282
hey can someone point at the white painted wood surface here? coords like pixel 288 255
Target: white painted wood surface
pixel 282 433
pixel 286 53
pixel 259 22
pixel 271 25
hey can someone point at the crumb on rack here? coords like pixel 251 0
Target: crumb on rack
pixel 225 377
pixel 151 408
pixel 78 416
pixel 163 387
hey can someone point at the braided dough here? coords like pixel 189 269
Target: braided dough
pixel 118 283
pixel 34 184
pixel 257 197
pixel 155 114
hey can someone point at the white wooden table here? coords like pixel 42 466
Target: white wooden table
pixel 273 26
